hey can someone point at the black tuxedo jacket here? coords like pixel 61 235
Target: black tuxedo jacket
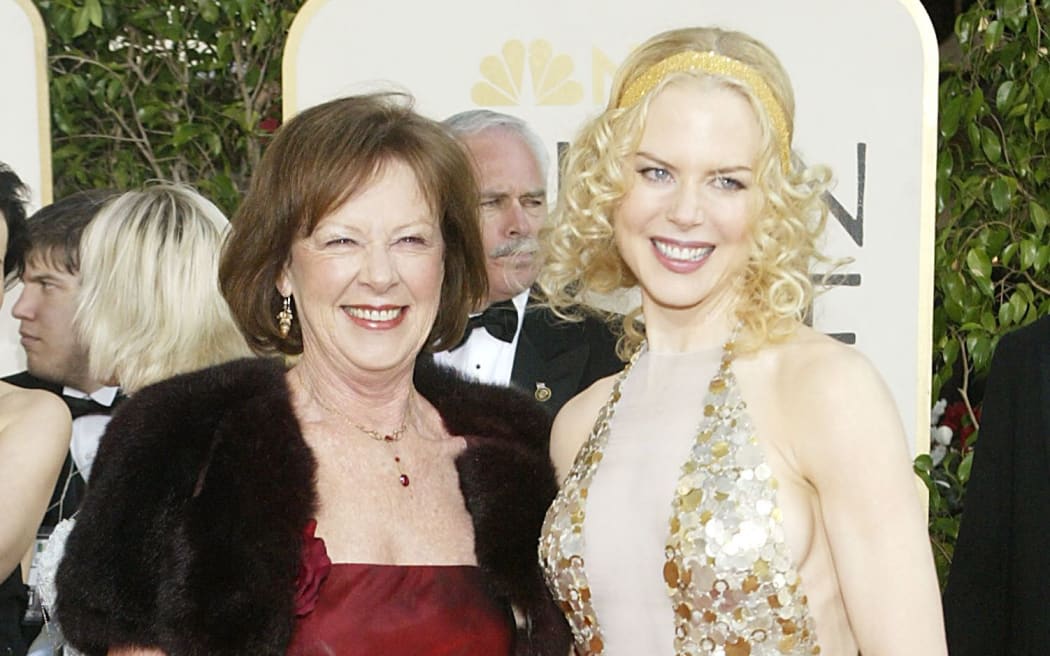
pixel 997 602
pixel 557 359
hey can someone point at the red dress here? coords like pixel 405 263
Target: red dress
pixel 422 610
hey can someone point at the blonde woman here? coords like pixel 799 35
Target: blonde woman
pixel 746 488
pixel 149 307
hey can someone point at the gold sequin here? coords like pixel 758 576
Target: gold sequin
pixel 728 574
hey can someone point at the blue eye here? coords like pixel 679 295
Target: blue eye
pixel 726 182
pixel 655 173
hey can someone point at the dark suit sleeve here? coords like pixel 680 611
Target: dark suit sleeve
pixel 977 597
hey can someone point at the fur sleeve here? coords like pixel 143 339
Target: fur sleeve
pixel 508 482
pixel 188 539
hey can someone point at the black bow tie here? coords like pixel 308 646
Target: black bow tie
pixel 78 407
pixel 499 319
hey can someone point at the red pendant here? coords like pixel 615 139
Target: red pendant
pixel 403 479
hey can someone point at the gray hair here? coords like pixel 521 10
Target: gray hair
pixel 475 121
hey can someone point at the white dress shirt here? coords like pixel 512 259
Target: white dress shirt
pixel 88 430
pixel 483 357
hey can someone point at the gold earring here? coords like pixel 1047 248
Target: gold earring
pixel 284 317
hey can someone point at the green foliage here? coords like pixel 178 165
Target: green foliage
pixel 144 90
pixel 992 246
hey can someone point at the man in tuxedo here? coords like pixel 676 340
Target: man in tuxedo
pixel 55 360
pixel 997 601
pixel 514 340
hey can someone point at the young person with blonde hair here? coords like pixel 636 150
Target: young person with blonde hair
pixel 746 487
pixel 150 305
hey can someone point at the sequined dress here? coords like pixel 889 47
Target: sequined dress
pixel 695 565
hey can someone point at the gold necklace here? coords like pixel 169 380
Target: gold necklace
pixel 386 438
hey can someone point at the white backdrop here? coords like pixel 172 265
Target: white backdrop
pixel 25 141
pixel 865 76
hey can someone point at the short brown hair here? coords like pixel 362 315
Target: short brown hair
pixel 316 162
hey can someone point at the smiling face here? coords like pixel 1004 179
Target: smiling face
pixel 513 208
pixel 367 281
pixel 682 227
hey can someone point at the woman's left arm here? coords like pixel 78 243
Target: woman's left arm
pixel 856 457
pixel 34 440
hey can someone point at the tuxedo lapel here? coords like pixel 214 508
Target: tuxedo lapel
pixel 546 365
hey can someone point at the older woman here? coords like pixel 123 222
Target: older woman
pixel 772 510
pixel 222 499
pixel 34 437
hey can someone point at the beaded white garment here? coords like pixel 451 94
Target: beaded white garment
pixel 731 583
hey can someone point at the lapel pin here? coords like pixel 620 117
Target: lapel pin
pixel 543 393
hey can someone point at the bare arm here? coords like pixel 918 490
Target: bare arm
pixel 34 439
pixel 855 454
pixel 573 424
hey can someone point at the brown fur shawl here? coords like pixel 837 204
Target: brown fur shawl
pixel 189 537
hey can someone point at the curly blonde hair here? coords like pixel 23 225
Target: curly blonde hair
pixel 582 260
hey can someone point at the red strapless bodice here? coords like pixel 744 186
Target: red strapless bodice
pixel 422 610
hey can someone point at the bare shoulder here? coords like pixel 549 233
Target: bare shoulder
pixel 832 403
pixel 575 421
pixel 29 409
pixel 816 369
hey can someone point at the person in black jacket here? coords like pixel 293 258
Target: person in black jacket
pixel 997 601
pixel 516 340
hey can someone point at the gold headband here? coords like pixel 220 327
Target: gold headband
pixel 715 64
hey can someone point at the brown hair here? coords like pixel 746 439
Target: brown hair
pixel 319 160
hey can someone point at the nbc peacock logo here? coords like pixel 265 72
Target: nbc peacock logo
pixel 505 77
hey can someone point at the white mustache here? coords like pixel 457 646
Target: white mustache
pixel 519 246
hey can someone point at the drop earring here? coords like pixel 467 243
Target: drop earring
pixel 284 317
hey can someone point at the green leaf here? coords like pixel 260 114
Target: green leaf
pixel 1008 254
pixel 94 11
pixel 1001 193
pixel 1029 253
pixel 183 133
pixel 1039 217
pixel 1043 259
pixel 1006 315
pixel 990 145
pixel 1018 306
pixel 965 466
pixel 993 35
pixel 964 24
pixel 975 106
pixel 951 112
pixel 209 10
pixel 979 264
pixel 1002 96
pixel 988 321
pixel 81 21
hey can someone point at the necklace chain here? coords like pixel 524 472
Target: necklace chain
pixel 386 438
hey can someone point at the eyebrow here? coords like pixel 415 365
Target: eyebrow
pixel 41 277
pixel 496 195
pixel 663 164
